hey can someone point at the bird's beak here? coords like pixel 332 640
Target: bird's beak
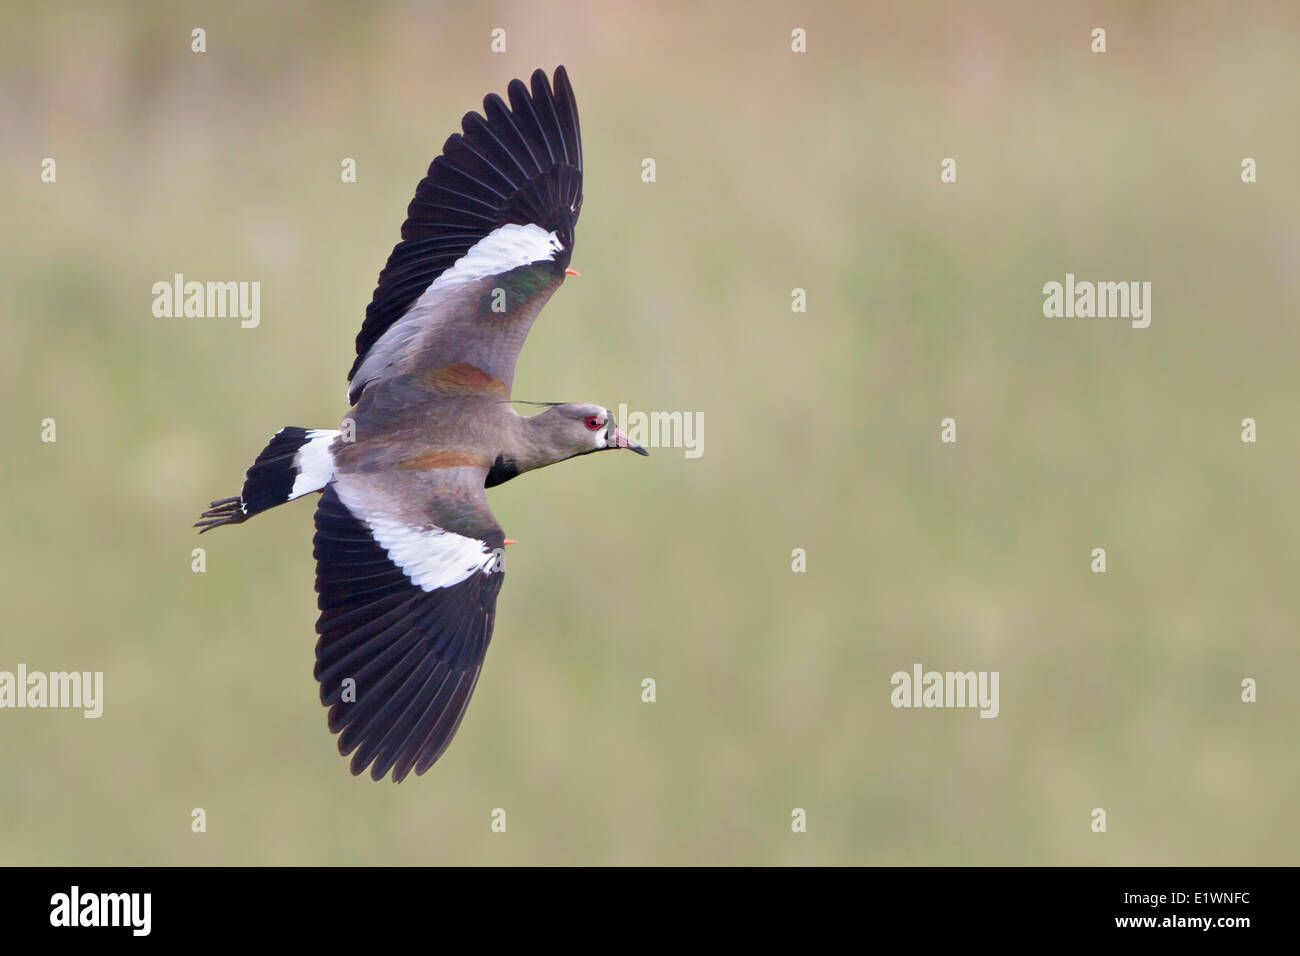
pixel 622 441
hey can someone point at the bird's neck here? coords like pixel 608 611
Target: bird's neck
pixel 532 445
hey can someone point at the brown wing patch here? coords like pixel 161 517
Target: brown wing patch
pixel 444 458
pixel 462 378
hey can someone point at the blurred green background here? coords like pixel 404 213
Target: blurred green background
pixel 774 171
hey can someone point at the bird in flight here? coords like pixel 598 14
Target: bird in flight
pixel 409 559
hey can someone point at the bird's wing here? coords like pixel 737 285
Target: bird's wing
pixel 408 567
pixel 486 241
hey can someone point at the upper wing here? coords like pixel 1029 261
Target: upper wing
pixel 485 243
pixel 407 571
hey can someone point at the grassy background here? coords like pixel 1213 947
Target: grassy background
pixel 775 171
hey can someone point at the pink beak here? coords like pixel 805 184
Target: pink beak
pixel 622 441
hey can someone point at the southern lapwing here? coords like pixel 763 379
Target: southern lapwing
pixel 408 555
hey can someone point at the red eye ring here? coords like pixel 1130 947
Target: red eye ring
pixel 594 422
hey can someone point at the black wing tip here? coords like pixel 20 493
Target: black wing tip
pixel 543 84
pixel 538 114
pixel 415 753
pixel 538 87
pixel 540 84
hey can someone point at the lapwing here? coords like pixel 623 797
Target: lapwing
pixel 409 560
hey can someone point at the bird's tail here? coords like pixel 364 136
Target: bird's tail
pixel 296 462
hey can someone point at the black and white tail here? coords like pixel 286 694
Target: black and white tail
pixel 296 462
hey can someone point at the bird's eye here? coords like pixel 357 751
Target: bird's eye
pixel 594 422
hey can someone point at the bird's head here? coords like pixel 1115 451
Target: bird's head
pixel 577 428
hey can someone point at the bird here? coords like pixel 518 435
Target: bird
pixel 409 558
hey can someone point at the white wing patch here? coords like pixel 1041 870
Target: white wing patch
pixel 314 462
pixel 431 557
pixel 504 248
